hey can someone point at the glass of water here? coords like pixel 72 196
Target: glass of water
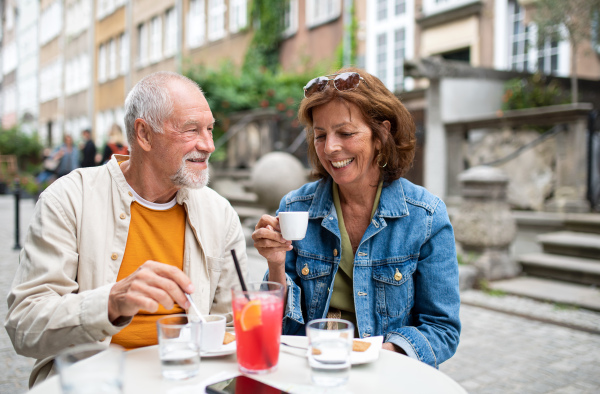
pixel 329 351
pixel 92 368
pixel 179 342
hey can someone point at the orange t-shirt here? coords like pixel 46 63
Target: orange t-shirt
pixel 153 235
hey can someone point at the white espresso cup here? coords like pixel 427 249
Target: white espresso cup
pixel 213 332
pixel 293 225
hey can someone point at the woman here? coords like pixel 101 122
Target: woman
pixel 115 145
pixel 379 250
pixel 68 157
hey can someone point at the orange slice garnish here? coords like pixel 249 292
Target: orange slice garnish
pixel 251 315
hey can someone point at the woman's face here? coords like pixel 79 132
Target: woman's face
pixel 344 144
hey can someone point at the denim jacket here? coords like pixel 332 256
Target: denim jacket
pixel 405 269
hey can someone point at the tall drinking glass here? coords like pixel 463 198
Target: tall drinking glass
pixel 330 349
pixel 92 368
pixel 257 315
pixel 179 339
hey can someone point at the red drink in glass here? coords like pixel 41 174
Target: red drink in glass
pixel 257 315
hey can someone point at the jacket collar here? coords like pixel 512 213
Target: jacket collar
pixel 392 203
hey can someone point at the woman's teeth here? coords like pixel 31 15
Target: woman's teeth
pixel 343 163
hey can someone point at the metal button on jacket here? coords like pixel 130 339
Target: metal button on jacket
pixel 335 252
pixel 397 275
pixel 305 270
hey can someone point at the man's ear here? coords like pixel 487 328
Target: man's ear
pixel 143 134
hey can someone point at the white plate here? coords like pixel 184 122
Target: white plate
pixel 369 355
pixel 225 350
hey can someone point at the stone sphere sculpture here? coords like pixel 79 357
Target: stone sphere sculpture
pixel 274 175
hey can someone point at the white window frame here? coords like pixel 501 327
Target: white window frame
pixel 399 49
pixel 170 41
pixel 102 63
pixel 238 15
pixel 376 28
pixel 319 12
pixel 112 59
pixel 196 24
pixel 290 19
pixel 156 39
pixel 143 45
pixel 216 19
pixel 124 53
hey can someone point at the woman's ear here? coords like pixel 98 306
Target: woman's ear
pixel 143 134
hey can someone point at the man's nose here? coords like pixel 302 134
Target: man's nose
pixel 205 143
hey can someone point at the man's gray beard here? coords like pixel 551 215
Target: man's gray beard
pixel 184 177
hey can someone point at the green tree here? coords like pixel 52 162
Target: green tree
pixel 573 20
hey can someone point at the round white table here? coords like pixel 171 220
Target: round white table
pixel 390 373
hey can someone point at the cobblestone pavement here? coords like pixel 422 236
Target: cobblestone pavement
pixel 498 352
pixel 14 370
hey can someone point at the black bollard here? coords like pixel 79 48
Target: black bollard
pixel 17 204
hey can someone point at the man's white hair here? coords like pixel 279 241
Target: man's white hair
pixel 150 100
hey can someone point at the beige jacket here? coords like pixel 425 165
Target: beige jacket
pixel 74 248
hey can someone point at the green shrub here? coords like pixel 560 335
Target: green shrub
pixel 531 92
pixel 27 148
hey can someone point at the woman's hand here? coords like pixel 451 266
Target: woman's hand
pixel 271 245
pixel 394 348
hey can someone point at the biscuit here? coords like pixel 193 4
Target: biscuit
pixel 360 346
pixel 229 337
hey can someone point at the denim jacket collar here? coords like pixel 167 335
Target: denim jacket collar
pixel 392 203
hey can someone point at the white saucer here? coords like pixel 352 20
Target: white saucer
pixel 369 355
pixel 225 350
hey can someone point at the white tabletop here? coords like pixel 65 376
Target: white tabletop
pixel 390 373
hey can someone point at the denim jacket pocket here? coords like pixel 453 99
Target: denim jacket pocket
pixel 315 275
pixel 394 287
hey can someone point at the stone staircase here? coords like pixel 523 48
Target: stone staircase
pixel 567 271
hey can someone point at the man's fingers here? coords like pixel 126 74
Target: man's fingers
pixel 172 273
pixel 166 289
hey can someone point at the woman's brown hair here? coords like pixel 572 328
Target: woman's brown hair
pixel 376 104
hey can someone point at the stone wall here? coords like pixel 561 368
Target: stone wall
pixel 532 175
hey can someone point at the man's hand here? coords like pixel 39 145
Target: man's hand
pixel 152 284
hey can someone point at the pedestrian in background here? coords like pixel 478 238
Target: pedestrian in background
pixel 116 144
pixel 88 151
pixel 67 155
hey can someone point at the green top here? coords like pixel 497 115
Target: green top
pixel 342 297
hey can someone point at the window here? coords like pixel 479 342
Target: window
pixel 10 17
pixel 439 6
pixel 156 40
pixel 51 22
pixel 547 61
pixel 102 63
pixel 9 99
pixel 381 9
pixel 112 59
pixel 382 57
pixel 107 7
pixel 216 19
pixel 77 17
pixel 9 58
pixel 50 81
pixel 322 11
pixel 399 51
pixel 519 38
pixel 124 53
pixel 399 7
pixel 142 44
pixel 170 32
pixel 290 18
pixel 196 24
pixel 238 15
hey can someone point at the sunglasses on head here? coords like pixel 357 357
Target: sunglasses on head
pixel 342 82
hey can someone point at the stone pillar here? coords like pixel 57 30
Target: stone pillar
pixel 571 169
pixel 484 225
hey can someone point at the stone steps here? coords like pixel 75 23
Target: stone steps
pixel 571 243
pixel 571 294
pixel 584 223
pixel 565 268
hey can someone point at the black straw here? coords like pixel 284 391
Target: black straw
pixel 239 272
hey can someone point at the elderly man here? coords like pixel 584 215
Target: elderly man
pixel 111 249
